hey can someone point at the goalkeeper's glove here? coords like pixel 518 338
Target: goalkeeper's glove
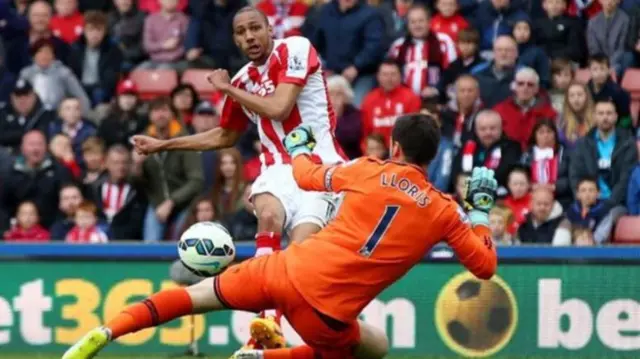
pixel 300 141
pixel 480 195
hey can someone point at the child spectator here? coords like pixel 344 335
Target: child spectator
pixel 123 120
pixel 546 223
pixel 184 98
pixel 562 74
pixel 500 219
pixel 93 154
pixel 27 226
pixel 560 35
pixel 468 42
pixel 548 161
pixel 95 60
pixel 203 209
pixel 68 22
pixel 582 237
pixel 519 198
pixel 448 20
pixel 633 190
pixel 419 55
pixel 61 149
pixel 126 23
pixel 529 54
pixel 602 87
pixel 587 211
pixel 52 80
pixel 73 125
pixel 375 146
pixel 576 119
pixel 86 229
pixel 163 37
pixel 607 33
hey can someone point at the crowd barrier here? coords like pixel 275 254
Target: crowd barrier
pixel 544 302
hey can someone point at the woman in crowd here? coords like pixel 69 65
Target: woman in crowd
pixel 577 115
pixel 203 209
pixel 548 161
pixel 349 126
pixel 184 99
pixel 228 185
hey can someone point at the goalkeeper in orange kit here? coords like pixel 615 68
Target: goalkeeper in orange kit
pixel 390 218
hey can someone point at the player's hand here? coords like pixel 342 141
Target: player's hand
pixel 481 189
pixel 299 141
pixel 145 145
pixel 219 79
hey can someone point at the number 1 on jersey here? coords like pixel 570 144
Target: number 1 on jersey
pixel 381 228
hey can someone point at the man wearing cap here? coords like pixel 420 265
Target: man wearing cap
pixel 24 112
pixel 123 120
pixel 205 118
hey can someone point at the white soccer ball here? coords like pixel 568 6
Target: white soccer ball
pixel 206 248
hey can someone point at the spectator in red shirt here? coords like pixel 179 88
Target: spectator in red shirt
pixel 384 104
pixel 525 107
pixel 86 229
pixel 448 20
pixel 519 198
pixel 154 6
pixel 286 16
pixel 28 226
pixel 68 22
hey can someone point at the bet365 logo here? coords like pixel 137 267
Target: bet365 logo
pixel 476 318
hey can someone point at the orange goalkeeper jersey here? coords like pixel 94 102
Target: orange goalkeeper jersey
pixel 390 218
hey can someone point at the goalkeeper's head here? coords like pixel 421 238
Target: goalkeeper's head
pixel 415 139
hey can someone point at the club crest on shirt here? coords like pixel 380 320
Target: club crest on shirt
pixel 295 63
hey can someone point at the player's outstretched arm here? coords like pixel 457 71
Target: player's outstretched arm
pixel 213 139
pixel 311 176
pixel 473 246
pixel 276 107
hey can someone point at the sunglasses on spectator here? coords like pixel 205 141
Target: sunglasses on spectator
pixel 526 83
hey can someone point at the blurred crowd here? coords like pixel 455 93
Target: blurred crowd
pixel 545 93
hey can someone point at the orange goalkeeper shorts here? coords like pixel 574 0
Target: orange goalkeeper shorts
pixel 263 283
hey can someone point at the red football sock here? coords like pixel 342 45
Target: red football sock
pixel 301 352
pixel 267 243
pixel 155 310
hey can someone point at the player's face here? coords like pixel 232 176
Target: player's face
pixel 253 35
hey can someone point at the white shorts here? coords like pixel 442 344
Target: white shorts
pixel 299 206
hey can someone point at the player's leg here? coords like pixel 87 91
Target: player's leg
pixel 271 218
pixel 373 343
pixel 239 287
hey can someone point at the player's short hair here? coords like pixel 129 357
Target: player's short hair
pixel 418 135
pixel 249 8
pixel 88 206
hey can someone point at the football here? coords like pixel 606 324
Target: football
pixel 476 318
pixel 206 249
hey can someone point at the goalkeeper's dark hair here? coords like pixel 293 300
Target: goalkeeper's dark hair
pixel 418 135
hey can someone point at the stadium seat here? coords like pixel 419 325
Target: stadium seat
pixel 584 75
pixel 627 230
pixel 631 83
pixel 154 83
pixel 198 79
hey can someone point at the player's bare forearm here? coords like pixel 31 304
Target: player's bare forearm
pixel 213 139
pixel 276 107
pixel 477 252
pixel 309 175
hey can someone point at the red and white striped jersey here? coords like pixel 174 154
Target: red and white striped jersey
pixel 416 71
pixel 294 61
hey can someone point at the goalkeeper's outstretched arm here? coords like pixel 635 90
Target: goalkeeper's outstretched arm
pixel 474 248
